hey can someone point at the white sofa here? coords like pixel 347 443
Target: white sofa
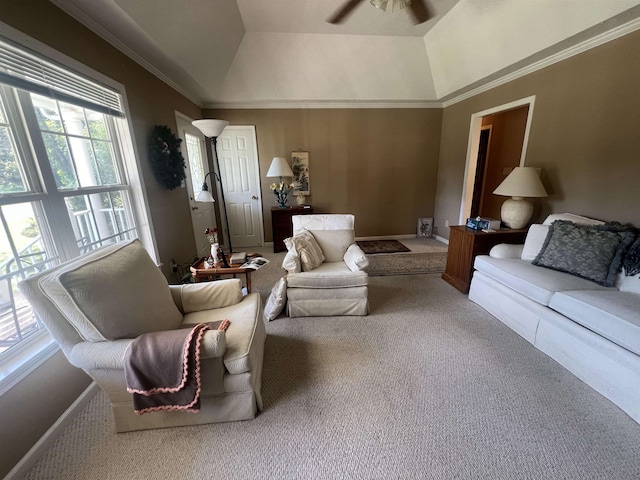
pixel 590 329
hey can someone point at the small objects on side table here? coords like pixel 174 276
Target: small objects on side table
pixel 223 258
pixel 203 270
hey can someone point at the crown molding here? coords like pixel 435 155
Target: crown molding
pixel 601 39
pixel 328 104
pixel 79 15
pixel 75 11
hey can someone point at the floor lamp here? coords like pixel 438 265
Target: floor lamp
pixel 213 128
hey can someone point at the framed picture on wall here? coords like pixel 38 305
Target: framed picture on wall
pixel 425 227
pixel 300 167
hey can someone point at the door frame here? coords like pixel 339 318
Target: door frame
pixel 257 177
pixel 181 118
pixel 474 144
pixel 481 175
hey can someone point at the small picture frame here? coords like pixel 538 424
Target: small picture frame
pixel 425 227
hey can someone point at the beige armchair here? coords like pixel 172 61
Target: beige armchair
pixel 95 305
pixel 332 281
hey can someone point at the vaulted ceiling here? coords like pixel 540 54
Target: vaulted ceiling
pixel 279 53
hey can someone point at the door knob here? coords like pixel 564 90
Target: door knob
pixel 194 208
pixel 253 197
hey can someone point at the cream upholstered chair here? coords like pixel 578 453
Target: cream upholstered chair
pixel 95 305
pixel 331 281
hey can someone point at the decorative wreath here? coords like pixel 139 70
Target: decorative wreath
pixel 166 160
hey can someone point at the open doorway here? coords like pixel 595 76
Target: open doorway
pixel 498 140
pixel 194 150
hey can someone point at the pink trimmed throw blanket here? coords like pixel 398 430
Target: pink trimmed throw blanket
pixel 162 369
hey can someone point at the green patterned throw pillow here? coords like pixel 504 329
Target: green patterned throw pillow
pixel 593 252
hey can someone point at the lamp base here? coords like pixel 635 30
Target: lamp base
pixel 516 212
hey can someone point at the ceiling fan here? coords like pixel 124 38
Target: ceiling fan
pixel 418 9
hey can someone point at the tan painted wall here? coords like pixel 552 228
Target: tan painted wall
pixel 380 165
pixel 29 409
pixel 584 135
pixel 24 413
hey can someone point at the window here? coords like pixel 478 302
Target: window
pixel 195 156
pixel 69 182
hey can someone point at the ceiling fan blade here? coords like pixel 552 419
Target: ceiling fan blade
pixel 420 11
pixel 343 12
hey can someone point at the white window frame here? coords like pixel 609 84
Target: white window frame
pixel 22 359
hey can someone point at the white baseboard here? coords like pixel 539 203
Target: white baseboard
pixel 385 237
pixel 442 239
pixel 46 441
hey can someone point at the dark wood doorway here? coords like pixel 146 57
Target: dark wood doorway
pixel 478 183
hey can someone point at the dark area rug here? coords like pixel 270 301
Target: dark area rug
pixel 371 247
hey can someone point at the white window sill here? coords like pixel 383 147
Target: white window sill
pixel 25 358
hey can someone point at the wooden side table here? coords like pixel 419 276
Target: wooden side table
pixel 281 224
pixel 465 244
pixel 201 273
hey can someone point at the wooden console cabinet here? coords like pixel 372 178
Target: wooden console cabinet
pixel 281 224
pixel 465 244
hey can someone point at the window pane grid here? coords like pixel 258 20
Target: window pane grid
pixel 100 219
pixel 78 144
pixel 195 161
pixel 12 176
pixel 23 252
pixel 120 237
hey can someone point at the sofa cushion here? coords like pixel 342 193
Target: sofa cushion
pixel 355 258
pixel 538 284
pixel 592 252
pixel 506 250
pixel 244 318
pixel 276 301
pixel 629 283
pixel 306 247
pixel 207 295
pixel 328 275
pixel 611 314
pixel 330 221
pixel 334 243
pixel 534 242
pixel 103 304
pixel 291 262
pixel 631 261
pixel 578 219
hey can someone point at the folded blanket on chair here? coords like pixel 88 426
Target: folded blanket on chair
pixel 162 369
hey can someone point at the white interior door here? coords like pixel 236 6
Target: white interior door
pixel 238 157
pixel 194 153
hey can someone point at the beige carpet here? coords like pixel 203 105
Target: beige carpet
pixel 428 386
pixel 427 255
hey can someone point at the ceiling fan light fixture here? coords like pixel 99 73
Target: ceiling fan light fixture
pixel 390 5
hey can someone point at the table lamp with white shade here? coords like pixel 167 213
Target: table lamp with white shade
pixel 280 168
pixel 521 183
